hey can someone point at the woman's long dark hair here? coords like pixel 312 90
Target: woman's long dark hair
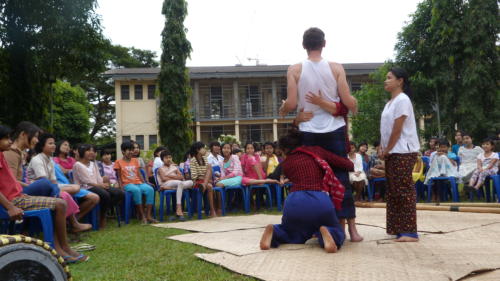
pixel 401 73
pixel 291 141
pixel 58 148
pixel 195 147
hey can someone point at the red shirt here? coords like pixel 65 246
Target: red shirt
pixel 305 173
pixel 9 186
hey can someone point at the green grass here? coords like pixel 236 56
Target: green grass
pixel 136 252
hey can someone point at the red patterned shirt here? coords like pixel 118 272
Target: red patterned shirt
pixel 304 172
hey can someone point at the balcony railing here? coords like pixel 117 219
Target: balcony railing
pixel 247 111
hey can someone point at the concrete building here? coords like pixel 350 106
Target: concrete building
pixel 236 100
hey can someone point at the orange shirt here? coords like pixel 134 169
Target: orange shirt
pixel 128 171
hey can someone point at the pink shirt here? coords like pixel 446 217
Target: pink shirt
pixel 67 164
pixel 110 172
pixel 247 163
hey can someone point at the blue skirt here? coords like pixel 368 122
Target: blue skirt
pixel 335 142
pixel 304 213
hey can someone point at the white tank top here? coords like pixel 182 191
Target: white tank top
pixel 315 77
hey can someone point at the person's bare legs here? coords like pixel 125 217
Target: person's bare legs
pixel 149 218
pixel 88 204
pixel 210 195
pixel 77 226
pixel 267 236
pixel 353 231
pixel 60 230
pixel 218 203
pixel 140 213
pixel 328 242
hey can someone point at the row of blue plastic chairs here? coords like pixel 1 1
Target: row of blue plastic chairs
pixel 424 192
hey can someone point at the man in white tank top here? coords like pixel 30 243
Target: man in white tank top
pixel 314 87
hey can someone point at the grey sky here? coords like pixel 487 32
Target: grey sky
pixel 227 32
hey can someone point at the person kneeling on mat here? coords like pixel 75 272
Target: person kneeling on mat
pixel 316 193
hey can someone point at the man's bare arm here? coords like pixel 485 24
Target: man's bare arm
pixel 292 77
pixel 343 88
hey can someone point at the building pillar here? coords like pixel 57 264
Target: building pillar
pixel 196 100
pixel 275 129
pixel 275 98
pixel 198 131
pixel 236 100
pixel 237 130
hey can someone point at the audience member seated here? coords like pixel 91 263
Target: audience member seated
pixel 432 146
pixel 363 151
pixel 108 168
pixel 131 180
pixel 137 154
pixel 468 154
pixel 418 170
pixel 24 137
pixel 442 164
pixel 16 202
pixel 459 135
pixel 42 166
pixel 201 173
pixel 86 174
pixel 214 156
pixel 357 178
pixel 231 173
pixel 487 164
pixel 155 164
pixel 62 157
pixel 269 160
pixel 170 177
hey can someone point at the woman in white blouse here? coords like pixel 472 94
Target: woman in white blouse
pixel 400 145
pixel 468 158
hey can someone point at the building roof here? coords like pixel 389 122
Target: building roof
pixel 208 72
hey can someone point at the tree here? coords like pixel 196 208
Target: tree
pixel 371 101
pixel 449 50
pixel 174 89
pixel 43 41
pixel 71 112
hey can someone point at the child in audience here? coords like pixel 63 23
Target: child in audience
pixel 25 137
pixel 214 156
pixel 231 173
pixel 15 203
pixel 86 174
pixel 62 157
pixel 108 168
pixel 42 166
pixel 432 146
pixel 442 164
pixel 358 177
pixel 154 164
pixel 238 152
pixel 362 150
pixel 131 180
pixel 201 173
pixel 137 154
pixel 468 154
pixel 487 164
pixel 253 174
pixel 170 177
pixel 459 135
pixel 269 160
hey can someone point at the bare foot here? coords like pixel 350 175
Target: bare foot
pixel 355 237
pixel 329 243
pixel 406 239
pixel 81 227
pixel 213 214
pixel 267 236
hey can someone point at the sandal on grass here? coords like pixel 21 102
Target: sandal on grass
pixel 83 247
pixel 73 260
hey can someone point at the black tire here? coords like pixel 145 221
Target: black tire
pixel 27 262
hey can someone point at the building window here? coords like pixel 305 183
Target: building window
pixel 138 92
pixel 355 87
pixel 212 133
pixel 125 138
pixel 251 104
pixel 215 102
pixel 140 140
pixel 153 140
pixel 125 92
pixel 256 133
pixel 151 92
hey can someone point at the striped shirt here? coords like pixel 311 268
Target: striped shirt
pixel 198 170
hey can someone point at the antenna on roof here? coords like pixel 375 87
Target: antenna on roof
pixel 257 61
pixel 239 61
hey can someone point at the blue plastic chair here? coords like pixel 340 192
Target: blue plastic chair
pixel 93 216
pixel 221 190
pixel 371 187
pixel 263 187
pixel 45 219
pixel 70 176
pixel 454 188
pixel 168 195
